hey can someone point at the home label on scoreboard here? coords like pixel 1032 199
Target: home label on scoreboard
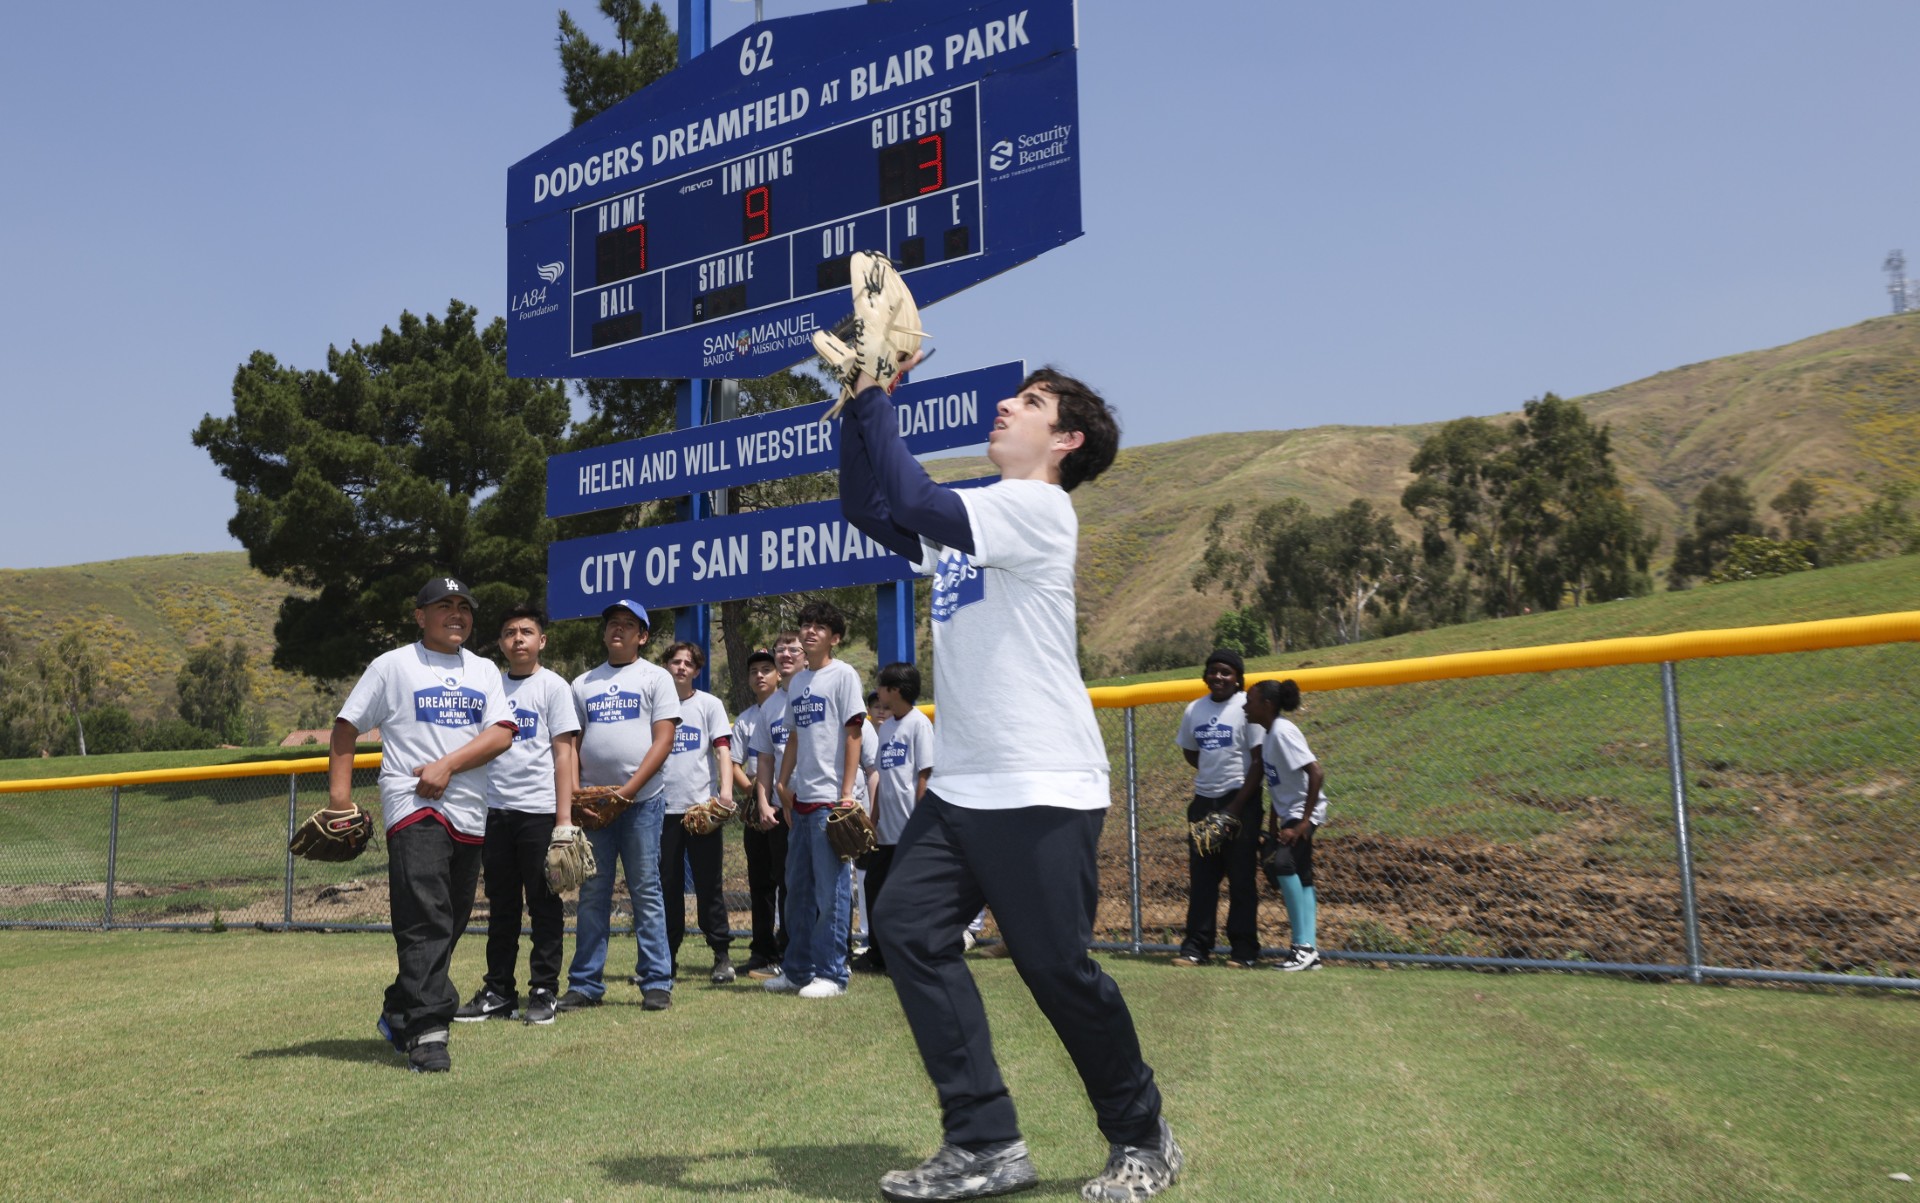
pixel 703 226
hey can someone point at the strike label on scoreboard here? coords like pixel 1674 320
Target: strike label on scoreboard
pixel 704 226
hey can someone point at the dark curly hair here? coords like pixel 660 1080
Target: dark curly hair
pixel 1081 409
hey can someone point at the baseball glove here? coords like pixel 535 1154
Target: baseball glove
pixel 850 832
pixel 333 835
pixel 883 333
pixel 597 806
pixel 705 818
pixel 1213 833
pixel 569 859
pixel 1276 859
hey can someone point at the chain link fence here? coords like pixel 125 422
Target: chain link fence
pixel 1751 816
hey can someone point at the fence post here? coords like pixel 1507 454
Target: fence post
pixel 113 858
pixel 1133 832
pixel 293 819
pixel 1683 844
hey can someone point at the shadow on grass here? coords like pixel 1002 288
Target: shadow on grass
pixel 368 1050
pixel 826 1171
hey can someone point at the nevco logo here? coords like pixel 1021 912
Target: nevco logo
pixel 1001 156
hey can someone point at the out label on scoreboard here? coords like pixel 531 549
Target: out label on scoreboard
pixel 704 226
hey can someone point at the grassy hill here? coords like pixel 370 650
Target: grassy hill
pixel 1842 408
pixel 146 613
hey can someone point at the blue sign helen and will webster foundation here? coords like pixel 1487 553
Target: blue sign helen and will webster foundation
pixel 793 549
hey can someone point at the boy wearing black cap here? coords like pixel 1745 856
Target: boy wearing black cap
pixel 628 713
pixel 442 714
pixel 1213 736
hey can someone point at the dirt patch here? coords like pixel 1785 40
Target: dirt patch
pixel 1573 895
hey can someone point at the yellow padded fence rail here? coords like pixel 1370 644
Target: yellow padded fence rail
pixel 1898 627
pixel 212 772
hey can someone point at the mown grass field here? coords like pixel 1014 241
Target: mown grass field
pixel 244 1066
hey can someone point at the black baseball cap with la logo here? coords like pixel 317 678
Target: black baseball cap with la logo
pixel 439 587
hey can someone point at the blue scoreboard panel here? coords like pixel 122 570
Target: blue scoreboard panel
pixel 703 226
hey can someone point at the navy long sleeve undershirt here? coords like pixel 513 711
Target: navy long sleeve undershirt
pixel 885 492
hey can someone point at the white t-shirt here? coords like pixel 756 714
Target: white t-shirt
pixel 906 750
pixel 521 778
pixel 869 760
pixel 618 708
pixel 1287 756
pixel 746 732
pixel 1218 731
pixel 820 704
pixel 1013 725
pixel 426 705
pixel 691 774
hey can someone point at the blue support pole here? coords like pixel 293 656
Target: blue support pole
pixel 894 604
pixel 692 624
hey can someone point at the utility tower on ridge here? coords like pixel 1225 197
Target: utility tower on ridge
pixel 1899 288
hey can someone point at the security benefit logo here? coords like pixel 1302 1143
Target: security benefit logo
pixel 526 724
pixel 1213 736
pixel 686 739
pixel 956 583
pixel 613 706
pixel 449 705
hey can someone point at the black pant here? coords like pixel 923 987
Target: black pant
pixel 430 883
pixel 513 863
pixel 1240 866
pixel 767 887
pixel 879 861
pixel 704 853
pixel 1035 867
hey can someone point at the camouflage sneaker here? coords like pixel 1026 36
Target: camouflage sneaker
pixel 955 1173
pixel 1136 1172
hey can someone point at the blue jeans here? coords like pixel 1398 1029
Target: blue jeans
pixel 819 904
pixel 633 839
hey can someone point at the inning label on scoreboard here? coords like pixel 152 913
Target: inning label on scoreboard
pixel 703 226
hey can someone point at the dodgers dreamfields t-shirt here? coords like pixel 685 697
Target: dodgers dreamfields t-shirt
pixel 426 705
pixel 1012 723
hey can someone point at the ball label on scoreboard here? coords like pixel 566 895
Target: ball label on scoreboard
pixel 709 218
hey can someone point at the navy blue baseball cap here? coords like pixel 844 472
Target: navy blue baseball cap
pixel 439 587
pixel 632 607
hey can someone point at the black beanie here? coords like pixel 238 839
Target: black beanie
pixel 1228 657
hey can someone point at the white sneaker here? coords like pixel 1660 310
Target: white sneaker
pixel 1301 957
pixel 968 940
pixel 779 983
pixel 822 987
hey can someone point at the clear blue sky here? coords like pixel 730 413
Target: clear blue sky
pixel 1297 213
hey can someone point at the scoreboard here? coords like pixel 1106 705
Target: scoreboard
pixel 703 226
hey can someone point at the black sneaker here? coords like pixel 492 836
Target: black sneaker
pixel 427 1053
pixel 722 971
pixel 486 1005
pixel 540 1007
pixel 955 1173
pixel 763 971
pixel 1136 1172
pixel 754 963
pixel 656 1000
pixel 391 1032
pixel 867 962
pixel 573 1000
